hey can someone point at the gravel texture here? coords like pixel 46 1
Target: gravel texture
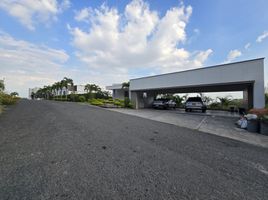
pixel 61 150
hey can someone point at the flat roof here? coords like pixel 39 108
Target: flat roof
pixel 200 68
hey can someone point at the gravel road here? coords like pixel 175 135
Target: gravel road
pixel 61 150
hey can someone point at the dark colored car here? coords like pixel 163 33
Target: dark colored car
pixel 164 104
pixel 195 103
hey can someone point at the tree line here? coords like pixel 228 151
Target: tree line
pixel 60 89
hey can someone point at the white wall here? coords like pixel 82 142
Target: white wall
pixel 252 70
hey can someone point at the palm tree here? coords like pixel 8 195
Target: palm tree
pixel 88 88
pixel 125 85
pixel 57 86
pixel 65 82
pixel 207 99
pixel 225 101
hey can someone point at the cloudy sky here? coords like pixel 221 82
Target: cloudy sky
pixel 105 42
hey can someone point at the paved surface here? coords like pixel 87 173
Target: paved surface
pixel 57 150
pixel 213 122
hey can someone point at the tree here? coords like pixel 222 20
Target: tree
pixel 2 85
pixel 207 99
pixel 125 85
pixel 57 87
pixel 89 88
pixel 14 94
pixel 65 82
pixel 225 101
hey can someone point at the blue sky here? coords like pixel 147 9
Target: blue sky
pixel 107 42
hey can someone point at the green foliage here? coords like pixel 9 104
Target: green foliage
pixel 117 102
pixel 127 103
pixel 2 85
pixel 125 85
pixel 96 102
pixel 7 99
pixel 215 105
pixel 82 99
pixel 14 94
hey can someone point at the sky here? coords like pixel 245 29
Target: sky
pixel 112 41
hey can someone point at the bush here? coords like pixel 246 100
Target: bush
pixel 73 97
pixel 127 103
pixel 215 105
pixel 96 102
pixel 119 102
pixel 6 99
pixel 82 98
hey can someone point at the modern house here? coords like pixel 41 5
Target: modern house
pixel 118 91
pixel 246 76
pixel 76 89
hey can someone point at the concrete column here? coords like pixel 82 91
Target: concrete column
pixel 258 95
pixel 248 102
pixel 137 100
pixel 148 101
pixel 245 98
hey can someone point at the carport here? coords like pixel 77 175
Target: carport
pixel 246 76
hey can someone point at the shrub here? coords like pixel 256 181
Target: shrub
pixel 96 102
pixel 73 97
pixel 119 102
pixel 259 112
pixel 82 98
pixel 6 99
pixel 127 103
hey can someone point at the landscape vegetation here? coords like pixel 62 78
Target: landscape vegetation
pixel 7 99
pixel 94 95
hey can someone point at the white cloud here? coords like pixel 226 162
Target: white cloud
pixel 25 65
pixel 233 54
pixel 138 38
pixel 83 15
pixel 262 36
pixel 30 12
pixel 247 46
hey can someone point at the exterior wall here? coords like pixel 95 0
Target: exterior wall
pixel 34 90
pixel 240 72
pixel 80 89
pixel 118 94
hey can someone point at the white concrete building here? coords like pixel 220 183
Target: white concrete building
pixel 117 91
pixel 246 76
pixel 32 90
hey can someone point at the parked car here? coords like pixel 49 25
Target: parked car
pixel 164 103
pixel 195 103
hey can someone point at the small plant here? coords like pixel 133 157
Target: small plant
pixel 82 99
pixel 96 102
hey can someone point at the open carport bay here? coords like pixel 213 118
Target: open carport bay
pixel 214 122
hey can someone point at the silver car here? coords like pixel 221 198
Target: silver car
pixel 164 104
pixel 195 103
